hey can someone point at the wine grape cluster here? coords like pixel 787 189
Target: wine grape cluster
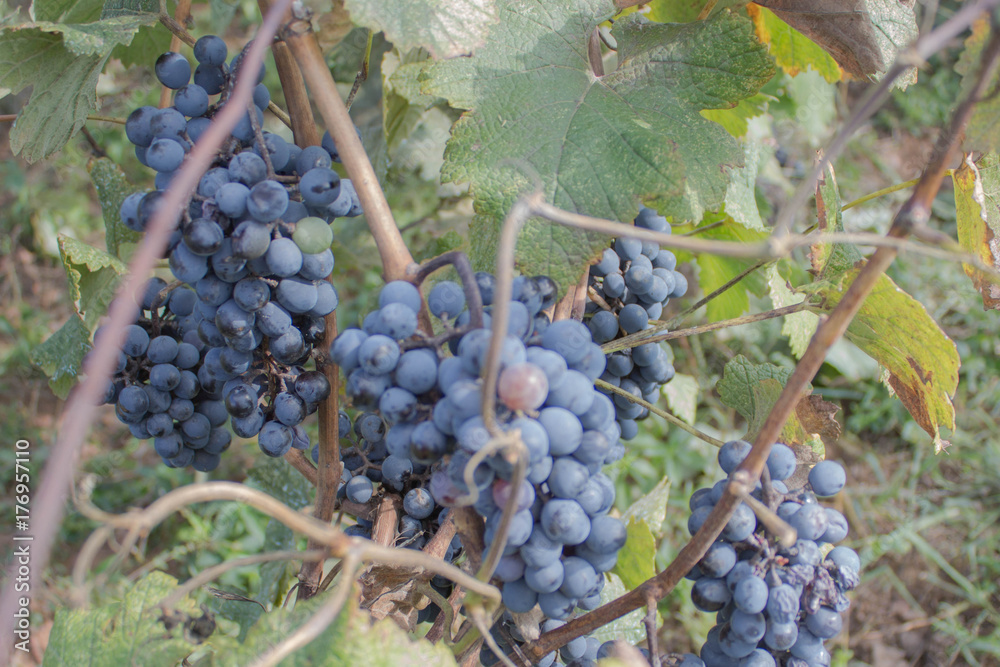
pixel 775 606
pixel 632 282
pixel 156 390
pixel 254 244
pixel 561 538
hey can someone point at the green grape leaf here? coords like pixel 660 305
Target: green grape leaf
pixel 445 29
pixel 977 209
pixel 982 133
pixel 682 394
pixel 93 277
pixel 637 559
pixel 735 120
pixel 714 271
pixel 277 478
pixel 112 189
pixel 67 11
pixel 114 8
pixel 753 389
pixel 149 42
pixel 895 330
pixel 61 355
pixel 538 117
pixel 349 640
pixel 61 62
pixel 630 627
pixel 792 51
pixel 741 195
pixel 129 632
pixel 863 36
pixel 651 509
pixel 800 326
pixel 643 523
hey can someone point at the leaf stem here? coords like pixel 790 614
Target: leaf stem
pixel 643 337
pixel 715 442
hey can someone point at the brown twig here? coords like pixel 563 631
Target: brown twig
pixel 81 408
pixel 298 460
pixel 303 45
pixel 294 88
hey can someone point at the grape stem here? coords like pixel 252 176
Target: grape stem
pixel 302 42
pixel 607 386
pixel 300 116
pixel 914 213
pixel 80 410
pixel 463 267
pixel 643 337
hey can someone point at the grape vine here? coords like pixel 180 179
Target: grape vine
pixel 471 429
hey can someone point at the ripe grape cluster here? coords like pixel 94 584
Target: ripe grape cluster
pixel 156 390
pixel 775 606
pixel 633 281
pixel 253 244
pixel 561 538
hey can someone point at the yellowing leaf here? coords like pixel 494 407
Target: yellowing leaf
pixel 983 132
pixel 977 208
pixel 895 329
pixel 793 51
pixel 864 36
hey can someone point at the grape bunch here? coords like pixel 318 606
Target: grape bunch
pixel 561 539
pixel 253 243
pixel 633 281
pixel 156 390
pixel 775 606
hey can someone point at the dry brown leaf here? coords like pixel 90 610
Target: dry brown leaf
pixel 863 36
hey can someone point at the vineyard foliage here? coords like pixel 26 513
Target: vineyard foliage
pixel 602 110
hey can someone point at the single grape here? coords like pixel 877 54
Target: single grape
pixel 173 70
pixel 523 386
pixel 313 235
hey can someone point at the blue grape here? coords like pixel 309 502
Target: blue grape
pixel 827 478
pixel 267 201
pixel 275 439
pixel 173 70
pixel 319 186
pixel 210 50
pixel 296 295
pixel 165 155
